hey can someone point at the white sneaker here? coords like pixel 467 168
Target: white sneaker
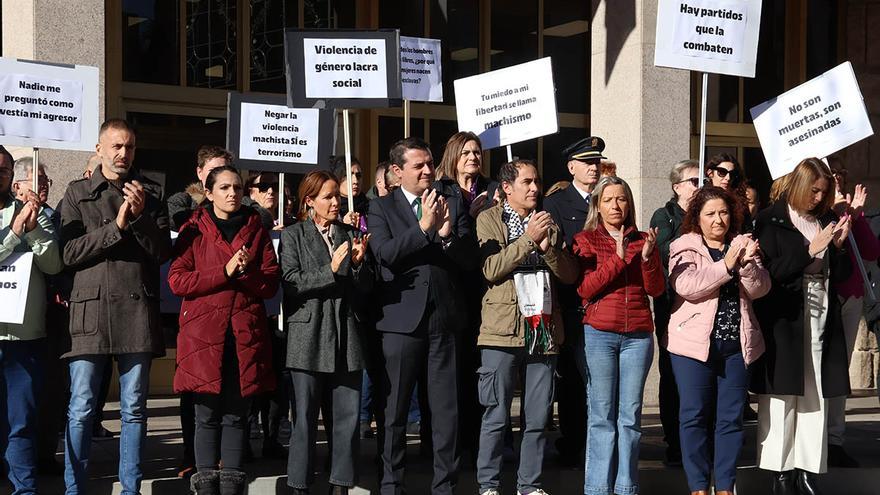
pixel 491 491
pixel 536 492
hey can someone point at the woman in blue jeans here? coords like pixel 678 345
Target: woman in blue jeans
pixel 713 336
pixel 622 270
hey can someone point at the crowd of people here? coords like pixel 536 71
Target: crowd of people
pixel 441 291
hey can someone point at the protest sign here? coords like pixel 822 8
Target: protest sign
pixel 716 36
pixel 45 105
pixel 345 69
pixel 508 105
pixel 420 73
pixel 15 277
pixel 265 134
pixel 815 119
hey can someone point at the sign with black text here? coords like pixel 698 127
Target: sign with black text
pixel 46 105
pixel 15 277
pixel 342 68
pixel 815 119
pixel 265 134
pixel 420 74
pixel 508 105
pixel 715 36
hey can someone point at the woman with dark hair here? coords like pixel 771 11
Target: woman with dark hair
pixel 460 173
pixel 223 267
pixel 715 275
pixel 802 245
pixel 325 274
pixel 261 193
pixel 724 170
pixel 622 268
pixel 358 217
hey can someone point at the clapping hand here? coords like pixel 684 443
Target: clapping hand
pixel 359 248
pixel 650 243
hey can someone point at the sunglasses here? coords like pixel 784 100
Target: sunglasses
pixel 722 172
pixel 265 186
pixel 693 180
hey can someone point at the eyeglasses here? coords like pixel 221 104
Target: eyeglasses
pixel 722 172
pixel 265 186
pixel 695 181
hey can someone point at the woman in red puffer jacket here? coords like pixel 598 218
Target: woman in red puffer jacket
pixel 224 266
pixel 622 268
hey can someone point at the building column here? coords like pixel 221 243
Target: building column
pixel 641 111
pixel 65 32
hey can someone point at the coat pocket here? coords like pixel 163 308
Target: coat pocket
pixel 486 388
pixel 85 303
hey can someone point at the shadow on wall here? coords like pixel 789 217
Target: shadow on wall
pixel 620 22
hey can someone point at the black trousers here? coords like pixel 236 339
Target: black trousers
pixel 428 356
pixel 221 418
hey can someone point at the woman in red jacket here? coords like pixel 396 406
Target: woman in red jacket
pixel 622 270
pixel 224 266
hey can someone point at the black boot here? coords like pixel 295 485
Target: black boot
pixel 232 482
pixel 205 482
pixel 806 483
pixel 338 490
pixel 783 483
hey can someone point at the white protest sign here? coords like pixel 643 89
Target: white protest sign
pixel 508 105
pixel 815 119
pixel 46 105
pixel 345 68
pixel 278 133
pixel 15 277
pixel 716 36
pixel 420 74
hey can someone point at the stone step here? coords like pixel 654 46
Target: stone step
pixel 750 481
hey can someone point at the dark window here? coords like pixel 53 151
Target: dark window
pixel 457 24
pixel 723 104
pixel 269 18
pixel 769 80
pixel 329 14
pixel 821 37
pixel 567 40
pixel 406 15
pixel 151 41
pixel 391 131
pixel 514 32
pixel 210 43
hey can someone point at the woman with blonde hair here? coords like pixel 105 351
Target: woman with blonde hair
pixel 622 268
pixel 804 365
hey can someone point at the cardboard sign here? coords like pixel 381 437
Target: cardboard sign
pixel 420 75
pixel 48 105
pixel 15 277
pixel 716 36
pixel 265 134
pixel 345 69
pixel 815 119
pixel 508 105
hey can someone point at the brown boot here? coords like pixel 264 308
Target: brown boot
pixel 723 492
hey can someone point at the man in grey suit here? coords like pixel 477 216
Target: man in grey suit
pixel 420 241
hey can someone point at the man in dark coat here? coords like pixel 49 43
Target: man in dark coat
pixel 420 241
pixel 182 204
pixel 568 208
pixel 114 232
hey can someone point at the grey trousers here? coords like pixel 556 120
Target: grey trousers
pixel 498 375
pixel 343 389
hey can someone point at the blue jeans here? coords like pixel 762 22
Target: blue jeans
pixel 717 385
pixel 617 365
pixel 22 373
pixel 85 382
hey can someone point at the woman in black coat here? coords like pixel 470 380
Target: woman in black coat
pixel 805 361
pixel 324 274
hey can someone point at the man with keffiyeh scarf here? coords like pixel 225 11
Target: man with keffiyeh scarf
pixel 521 331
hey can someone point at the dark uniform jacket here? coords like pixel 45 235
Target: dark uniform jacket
pixel 114 301
pixel 569 211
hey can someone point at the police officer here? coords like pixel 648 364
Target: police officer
pixel 568 208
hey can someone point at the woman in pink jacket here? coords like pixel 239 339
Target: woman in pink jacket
pixel 713 335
